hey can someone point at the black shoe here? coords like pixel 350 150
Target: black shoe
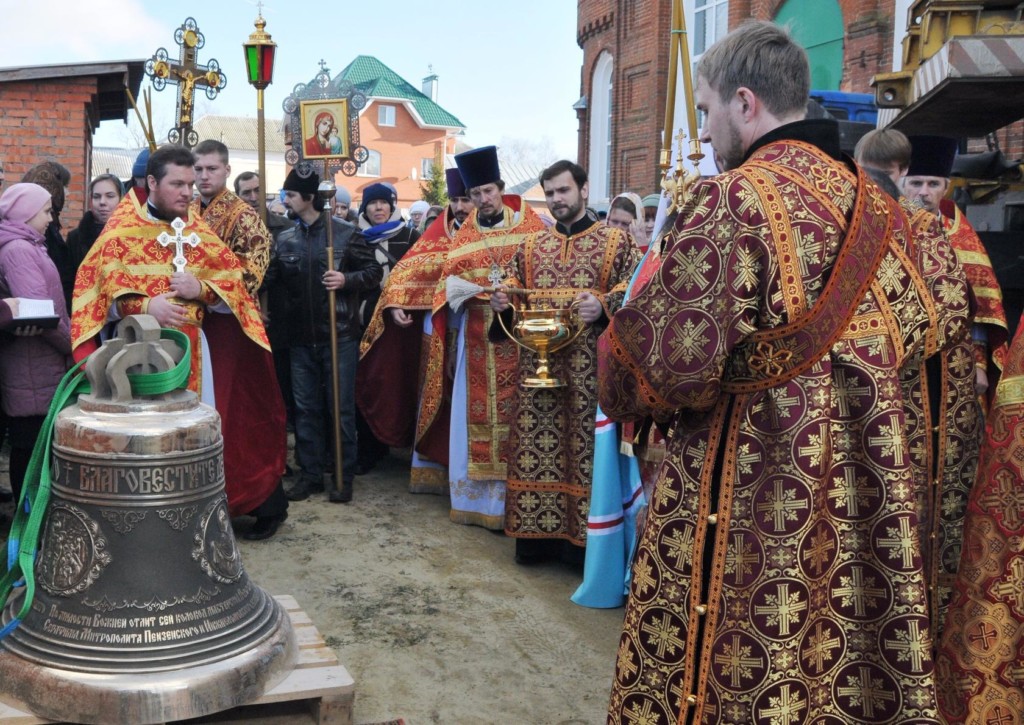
pixel 265 527
pixel 530 552
pixel 316 487
pixel 342 496
pixel 288 472
pixel 364 467
pixel 298 492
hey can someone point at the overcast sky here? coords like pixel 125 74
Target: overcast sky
pixel 506 70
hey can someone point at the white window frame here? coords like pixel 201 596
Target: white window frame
pixel 718 31
pixel 709 8
pixel 386 115
pixel 365 168
pixel 600 153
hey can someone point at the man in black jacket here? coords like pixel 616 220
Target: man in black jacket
pixel 298 267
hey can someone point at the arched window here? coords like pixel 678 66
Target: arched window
pixel 817 25
pixel 599 166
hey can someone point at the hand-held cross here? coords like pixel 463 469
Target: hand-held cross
pixel 179 242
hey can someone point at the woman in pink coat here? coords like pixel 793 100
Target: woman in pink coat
pixel 31 367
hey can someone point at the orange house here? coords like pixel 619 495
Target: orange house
pixel 403 127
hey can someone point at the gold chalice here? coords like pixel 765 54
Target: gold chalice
pixel 543 331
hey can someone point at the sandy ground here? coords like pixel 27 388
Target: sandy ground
pixel 435 621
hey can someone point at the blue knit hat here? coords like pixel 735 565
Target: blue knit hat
pixel 139 167
pixel 377 192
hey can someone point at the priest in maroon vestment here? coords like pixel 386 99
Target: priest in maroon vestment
pixel 779 577
pixel 582 262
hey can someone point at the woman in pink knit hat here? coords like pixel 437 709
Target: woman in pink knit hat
pixel 31 366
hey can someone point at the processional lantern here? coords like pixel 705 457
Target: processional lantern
pixel 260 51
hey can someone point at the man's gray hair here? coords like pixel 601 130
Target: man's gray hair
pixel 763 57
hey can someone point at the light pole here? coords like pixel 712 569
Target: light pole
pixel 259 65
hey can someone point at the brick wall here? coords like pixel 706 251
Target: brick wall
pixel 50 119
pixel 867 45
pixel 640 87
pixel 1010 139
pixel 636 34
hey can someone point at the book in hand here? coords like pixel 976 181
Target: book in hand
pixel 35 313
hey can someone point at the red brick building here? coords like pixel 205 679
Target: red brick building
pixel 625 68
pixel 51 112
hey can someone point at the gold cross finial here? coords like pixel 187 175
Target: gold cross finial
pixel 188 75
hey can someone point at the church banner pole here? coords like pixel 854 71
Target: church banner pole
pixel 327 190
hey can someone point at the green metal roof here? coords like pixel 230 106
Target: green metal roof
pixel 376 80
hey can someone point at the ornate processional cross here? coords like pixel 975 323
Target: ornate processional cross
pixel 187 74
pixel 179 242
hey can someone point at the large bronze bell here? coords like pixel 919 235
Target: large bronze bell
pixel 143 612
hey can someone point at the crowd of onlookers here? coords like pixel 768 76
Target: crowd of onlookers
pixel 39 259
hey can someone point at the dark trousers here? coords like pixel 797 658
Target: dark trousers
pixel 22 432
pixel 283 369
pixel 371 450
pixel 311 387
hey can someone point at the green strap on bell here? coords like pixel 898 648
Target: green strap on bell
pixel 23 539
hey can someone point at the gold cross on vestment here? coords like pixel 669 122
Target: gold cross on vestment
pixel 179 242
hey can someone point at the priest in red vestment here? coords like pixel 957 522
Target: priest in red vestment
pixel 119 277
pixel 247 394
pixel 388 391
pixel 468 385
pixel 779 577
pixel 982 648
